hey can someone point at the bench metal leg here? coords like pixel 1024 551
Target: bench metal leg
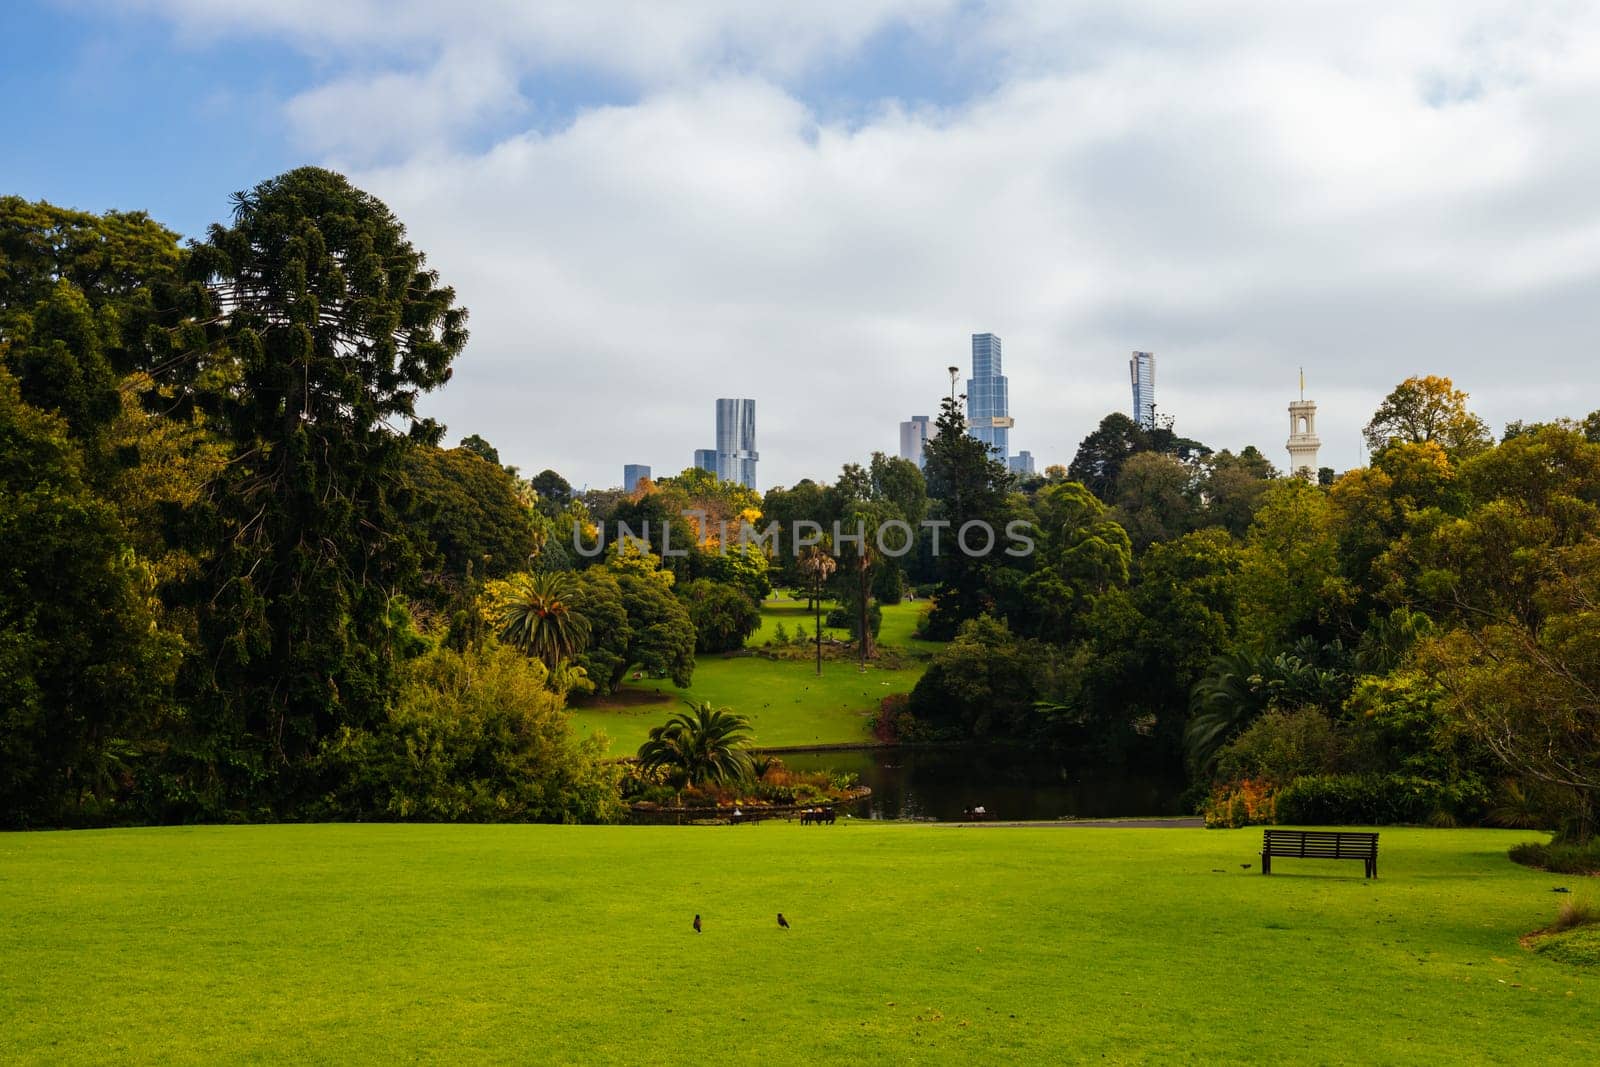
pixel 1266 863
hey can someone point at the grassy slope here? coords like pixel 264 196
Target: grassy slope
pixel 787 703
pixel 390 943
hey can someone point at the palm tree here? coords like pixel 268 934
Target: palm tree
pixel 539 616
pixel 1229 697
pixel 709 745
pixel 1240 687
pixel 817 565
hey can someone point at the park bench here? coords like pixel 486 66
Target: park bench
pixel 1320 845
pixel 817 816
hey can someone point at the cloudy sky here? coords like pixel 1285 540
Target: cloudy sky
pixel 648 205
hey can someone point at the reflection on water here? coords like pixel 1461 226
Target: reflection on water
pixel 1010 783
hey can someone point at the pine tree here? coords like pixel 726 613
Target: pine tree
pixel 336 328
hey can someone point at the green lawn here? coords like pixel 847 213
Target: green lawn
pixel 384 943
pixel 788 705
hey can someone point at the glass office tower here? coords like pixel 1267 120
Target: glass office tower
pixel 632 474
pixel 706 459
pixel 1142 370
pixel 988 404
pixel 734 458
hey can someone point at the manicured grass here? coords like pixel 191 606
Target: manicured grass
pixel 917 943
pixel 1580 947
pixel 788 705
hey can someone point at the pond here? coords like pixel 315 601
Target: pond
pixel 1009 783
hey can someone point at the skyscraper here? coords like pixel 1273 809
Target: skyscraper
pixel 734 458
pixel 914 438
pixel 988 402
pixel 1021 463
pixel 632 473
pixel 1142 370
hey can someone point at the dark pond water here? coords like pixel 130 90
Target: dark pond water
pixel 940 783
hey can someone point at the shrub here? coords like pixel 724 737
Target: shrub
pixel 1282 746
pixel 1575 948
pixel 1244 803
pixel 723 615
pixel 1317 800
pixel 893 721
pixel 843 617
pixel 982 685
pixel 475 736
pixel 1521 805
pixel 780 635
pixel 1575 912
pixel 1559 858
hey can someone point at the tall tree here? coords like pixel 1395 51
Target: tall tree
pixel 1155 499
pixel 83 669
pixel 1290 576
pixel 1427 408
pixel 1100 456
pixel 481 448
pixel 86 300
pixel 337 327
pixel 970 485
pixel 554 491
pixel 634 621
pixel 817 566
pixel 1528 687
pixel 1232 486
pixel 467 511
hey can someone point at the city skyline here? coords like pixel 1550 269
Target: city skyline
pixel 815 244
pixel 1303 445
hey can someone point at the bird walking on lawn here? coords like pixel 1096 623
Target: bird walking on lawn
pixel 782 921
pixel 697 924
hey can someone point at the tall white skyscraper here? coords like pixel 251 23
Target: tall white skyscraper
pixel 734 458
pixel 1142 371
pixel 914 434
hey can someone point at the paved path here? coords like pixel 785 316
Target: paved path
pixel 1188 822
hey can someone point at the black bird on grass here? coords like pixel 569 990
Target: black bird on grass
pixel 697 924
pixel 782 921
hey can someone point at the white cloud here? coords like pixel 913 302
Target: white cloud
pixel 1367 191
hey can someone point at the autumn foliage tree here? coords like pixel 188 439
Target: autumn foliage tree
pixel 1427 408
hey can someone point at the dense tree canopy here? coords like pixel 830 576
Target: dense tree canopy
pixel 242 581
pixel 84 671
pixel 469 513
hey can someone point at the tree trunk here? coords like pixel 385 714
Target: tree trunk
pixel 819 631
pixel 864 604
